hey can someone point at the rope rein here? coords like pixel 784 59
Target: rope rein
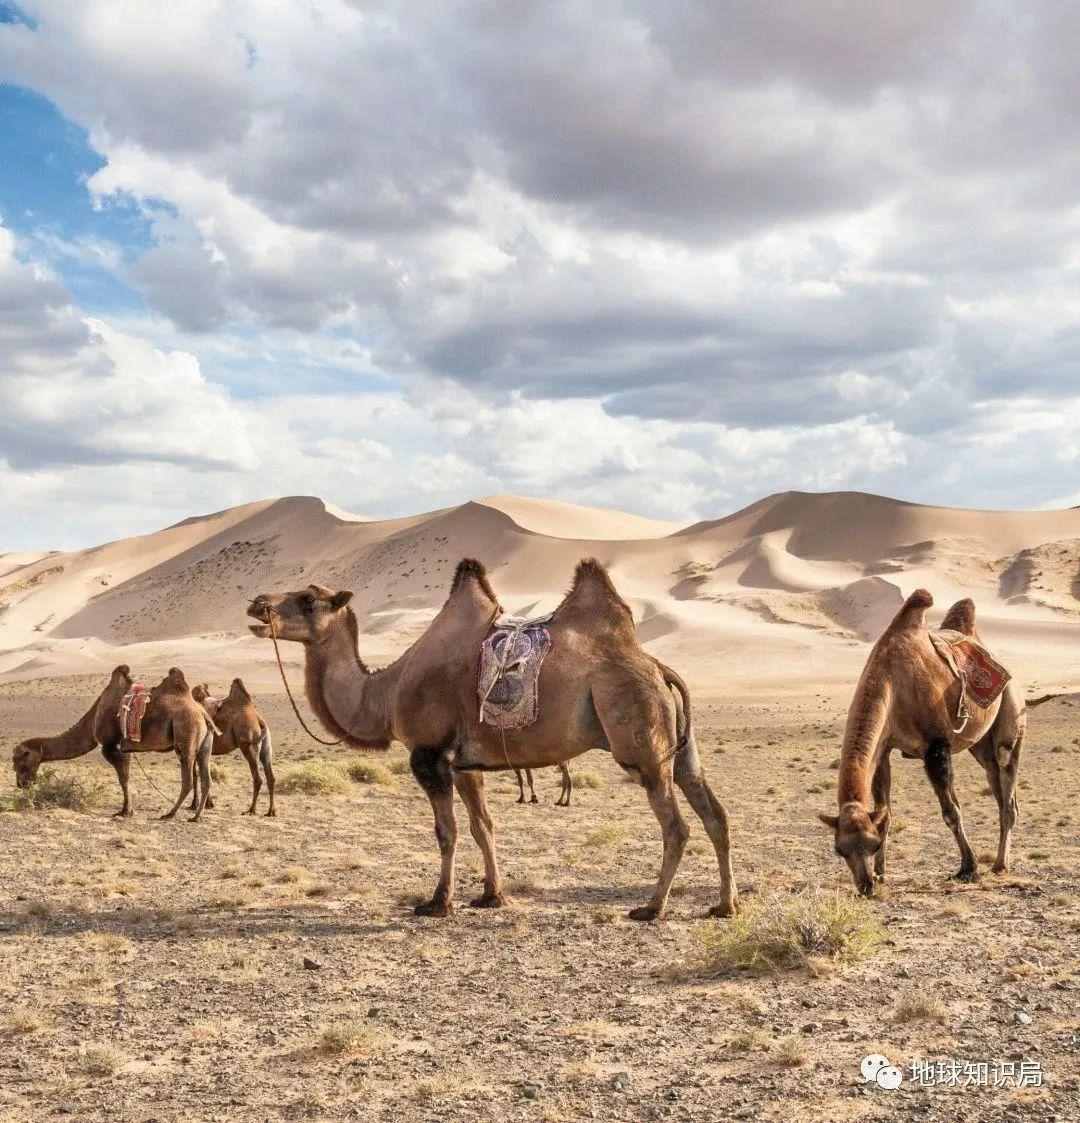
pixel 281 668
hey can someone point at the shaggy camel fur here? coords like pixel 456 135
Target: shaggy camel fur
pixel 242 727
pixel 599 689
pixel 564 795
pixel 98 726
pixel 907 699
pixel 174 721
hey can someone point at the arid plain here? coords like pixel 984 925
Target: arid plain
pixel 250 968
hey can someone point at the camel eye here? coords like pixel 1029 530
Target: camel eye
pixel 307 602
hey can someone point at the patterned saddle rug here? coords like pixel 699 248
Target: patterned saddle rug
pixel 510 661
pixel 132 711
pixel 981 676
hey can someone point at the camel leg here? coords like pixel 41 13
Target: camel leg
pixel 882 787
pixel 939 770
pixel 521 785
pixel 1001 765
pixel 691 779
pixel 248 752
pixel 470 786
pixel 432 772
pixel 675 833
pixel 202 761
pixel 186 784
pixel 532 789
pixel 266 759
pixel 567 787
pixel 122 763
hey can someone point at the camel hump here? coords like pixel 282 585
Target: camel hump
pixel 592 586
pixel 238 691
pixel 469 569
pixel 912 614
pixel 961 617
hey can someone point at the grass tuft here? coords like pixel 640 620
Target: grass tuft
pixel 315 777
pixel 345 1038
pixel 54 789
pixel 785 932
pixel 917 1007
pixel 366 772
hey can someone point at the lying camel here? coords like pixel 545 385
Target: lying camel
pixel 100 725
pixel 908 699
pixel 564 795
pixel 242 727
pixel 598 689
pixel 174 721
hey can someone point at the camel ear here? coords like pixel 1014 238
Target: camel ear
pixel 340 600
pixel 831 821
pixel 878 817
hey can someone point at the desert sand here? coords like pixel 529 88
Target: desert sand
pixel 156 971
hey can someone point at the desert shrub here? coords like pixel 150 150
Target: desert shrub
pixel 917 1007
pixel 55 789
pixel 368 772
pixel 587 779
pixel 781 932
pixel 348 1037
pixel 314 777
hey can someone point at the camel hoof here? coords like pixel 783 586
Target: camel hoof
pixel 250 811
pixel 490 901
pixel 194 819
pixel 271 814
pixel 433 907
pixel 966 875
pixel 725 910
pixel 1000 867
pixel 534 800
pixel 645 912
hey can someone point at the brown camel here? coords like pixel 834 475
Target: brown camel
pixel 242 727
pixel 598 689
pixel 98 726
pixel 908 699
pixel 564 795
pixel 175 722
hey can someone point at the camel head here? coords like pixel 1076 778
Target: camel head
pixel 306 616
pixel 859 836
pixel 26 760
pixel 201 691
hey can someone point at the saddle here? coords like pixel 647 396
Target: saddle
pixel 982 677
pixel 132 711
pixel 510 660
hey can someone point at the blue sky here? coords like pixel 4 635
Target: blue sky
pixel 400 257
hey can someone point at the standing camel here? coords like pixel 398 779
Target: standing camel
pixel 100 725
pixel 598 688
pixel 242 727
pixel 564 795
pixel 174 721
pixel 908 699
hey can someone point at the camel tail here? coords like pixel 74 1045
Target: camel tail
pixel 675 681
pixel 266 748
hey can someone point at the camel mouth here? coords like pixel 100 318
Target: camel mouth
pixel 260 630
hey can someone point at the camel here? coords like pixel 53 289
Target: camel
pixel 243 728
pixel 564 795
pixel 907 698
pixel 174 721
pixel 98 726
pixel 598 689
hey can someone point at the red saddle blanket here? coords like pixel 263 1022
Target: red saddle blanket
pixel 132 710
pixel 983 676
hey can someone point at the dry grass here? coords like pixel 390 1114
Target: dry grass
pixel 778 932
pixel 606 835
pixel 348 1038
pixel 916 1007
pixel 315 777
pixel 790 1052
pixel 366 772
pixel 588 779
pixel 55 789
pixel 21 1020
pixel 100 1060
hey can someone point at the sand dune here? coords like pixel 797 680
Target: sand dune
pixel 788 589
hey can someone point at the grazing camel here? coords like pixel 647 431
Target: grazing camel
pixel 100 725
pixel 598 689
pixel 242 727
pixel 564 795
pixel 174 721
pixel 907 698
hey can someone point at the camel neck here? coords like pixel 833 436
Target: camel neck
pixel 350 702
pixel 863 742
pixel 73 742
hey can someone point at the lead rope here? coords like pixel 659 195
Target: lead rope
pixel 281 668
pixel 149 780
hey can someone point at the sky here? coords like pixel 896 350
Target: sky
pixel 661 256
